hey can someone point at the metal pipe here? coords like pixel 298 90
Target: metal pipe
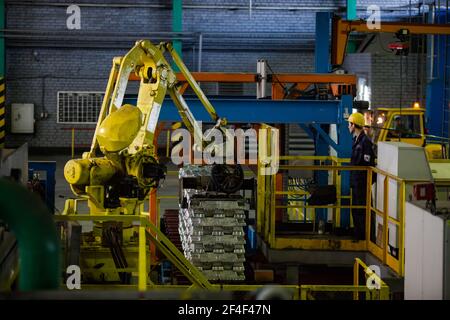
pixel 34 228
pixel 287 35
pixel 193 57
pixel 409 12
pixel 192 6
pixel 124 46
pixel 431 43
pixel 261 70
pixel 75 37
pixel 445 116
pixel 200 49
pixel 422 58
pixel 103 33
pixel 131 39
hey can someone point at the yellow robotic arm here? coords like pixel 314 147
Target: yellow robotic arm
pixel 124 134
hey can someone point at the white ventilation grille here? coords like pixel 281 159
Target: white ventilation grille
pixel 79 106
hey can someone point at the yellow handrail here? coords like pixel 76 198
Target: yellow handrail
pixel 384 289
pixel 268 195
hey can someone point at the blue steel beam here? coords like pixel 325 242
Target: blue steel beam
pixel 256 111
pixel 325 136
pixel 307 130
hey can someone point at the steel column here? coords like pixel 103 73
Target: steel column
pixel 322 51
pixel 345 150
pixel 200 50
pixel 325 136
pixel 351 9
pixel 2 39
pixel 307 130
pixel 438 89
pixel 2 75
pixel 435 98
pixel 2 112
pixel 322 149
pixel 177 26
pixel 322 65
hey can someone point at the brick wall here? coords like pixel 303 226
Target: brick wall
pixel 382 70
pixel 386 85
pixel 360 64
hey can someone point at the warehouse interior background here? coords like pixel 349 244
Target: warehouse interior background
pixel 43 57
pixel 55 61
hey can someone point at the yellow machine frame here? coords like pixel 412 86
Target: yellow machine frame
pixel 390 114
pixel 266 212
pixel 131 212
pixel 125 135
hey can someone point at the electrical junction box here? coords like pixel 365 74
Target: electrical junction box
pixel 22 118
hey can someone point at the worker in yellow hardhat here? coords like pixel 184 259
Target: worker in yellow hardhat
pixel 362 155
pixel 399 129
pixel 357 119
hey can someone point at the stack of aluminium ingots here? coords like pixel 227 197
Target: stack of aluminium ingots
pixel 211 230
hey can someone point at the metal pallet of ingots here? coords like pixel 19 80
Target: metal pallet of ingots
pixel 211 231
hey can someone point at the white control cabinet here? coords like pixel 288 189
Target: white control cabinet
pixel 22 118
pixel 405 161
pixel 427 253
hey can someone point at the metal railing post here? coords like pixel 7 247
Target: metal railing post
pixel 401 249
pixel 73 143
pixel 142 264
pixel 385 217
pixel 368 206
pixel 356 278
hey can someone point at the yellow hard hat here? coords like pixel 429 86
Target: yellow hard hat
pixel 357 119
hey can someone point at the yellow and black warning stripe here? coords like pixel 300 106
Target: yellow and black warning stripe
pixel 2 112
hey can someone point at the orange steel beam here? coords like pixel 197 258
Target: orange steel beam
pixel 220 77
pixel 212 77
pixel 342 28
pixel 251 78
pixel 315 78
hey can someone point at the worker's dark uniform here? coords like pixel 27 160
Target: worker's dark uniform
pixel 362 155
